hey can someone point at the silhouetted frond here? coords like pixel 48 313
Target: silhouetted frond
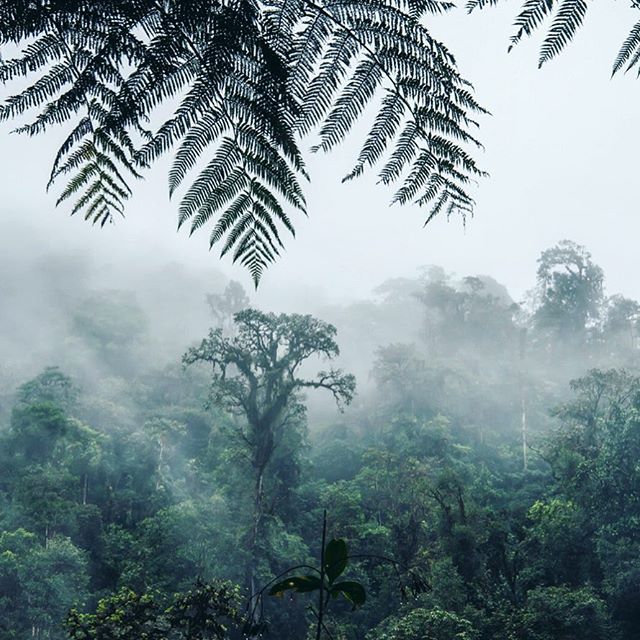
pixel 472 5
pixel 629 53
pixel 531 16
pixel 75 59
pixel 568 18
pixel 233 89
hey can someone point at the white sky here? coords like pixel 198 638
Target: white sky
pixel 560 148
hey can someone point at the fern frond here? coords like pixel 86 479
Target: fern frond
pixel 235 222
pixel 46 50
pixel 384 130
pixel 405 150
pixel 350 104
pixel 422 171
pixel 531 16
pixel 568 18
pixel 222 166
pixel 194 143
pixel 426 107
pixel 629 51
pixel 418 8
pixel 46 87
pixel 472 5
pixel 320 92
pixel 247 82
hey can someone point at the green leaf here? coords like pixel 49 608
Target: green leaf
pixel 335 558
pixel 301 584
pixel 353 591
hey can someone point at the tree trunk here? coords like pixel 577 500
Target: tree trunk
pixel 525 457
pixel 258 513
pixel 321 596
pixel 85 488
pixel 264 446
pixel 159 466
pixel 523 399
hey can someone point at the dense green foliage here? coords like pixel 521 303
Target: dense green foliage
pixel 481 495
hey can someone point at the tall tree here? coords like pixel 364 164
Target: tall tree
pixel 256 376
pixel 570 292
pixel 226 304
pixel 620 326
pixel 38 585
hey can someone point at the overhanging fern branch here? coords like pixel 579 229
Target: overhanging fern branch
pixel 418 73
pixel 252 80
pixel 93 155
pixel 249 173
pixel 566 17
pixel 629 53
pixel 532 15
pixel 472 5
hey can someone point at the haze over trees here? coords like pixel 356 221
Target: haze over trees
pixel 482 493
pixel 485 477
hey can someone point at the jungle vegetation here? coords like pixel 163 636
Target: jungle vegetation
pixel 481 484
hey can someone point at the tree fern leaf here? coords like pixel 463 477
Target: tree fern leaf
pixel 629 50
pixel 78 181
pixel 44 51
pixel 233 229
pixel 530 17
pixel 318 96
pixel 472 5
pixel 244 82
pixel 384 129
pixel 217 172
pixel 421 171
pixel 350 104
pixel 267 224
pixel 568 18
pixel 403 153
pixel 43 89
pixel 271 203
pixel 82 129
pixel 198 137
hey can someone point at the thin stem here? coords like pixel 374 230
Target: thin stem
pixel 324 626
pixel 258 595
pixel 321 596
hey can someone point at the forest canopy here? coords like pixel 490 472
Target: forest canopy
pixel 482 484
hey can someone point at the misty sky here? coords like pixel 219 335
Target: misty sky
pixel 560 149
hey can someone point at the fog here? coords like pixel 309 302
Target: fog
pixel 559 146
pixel 467 454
